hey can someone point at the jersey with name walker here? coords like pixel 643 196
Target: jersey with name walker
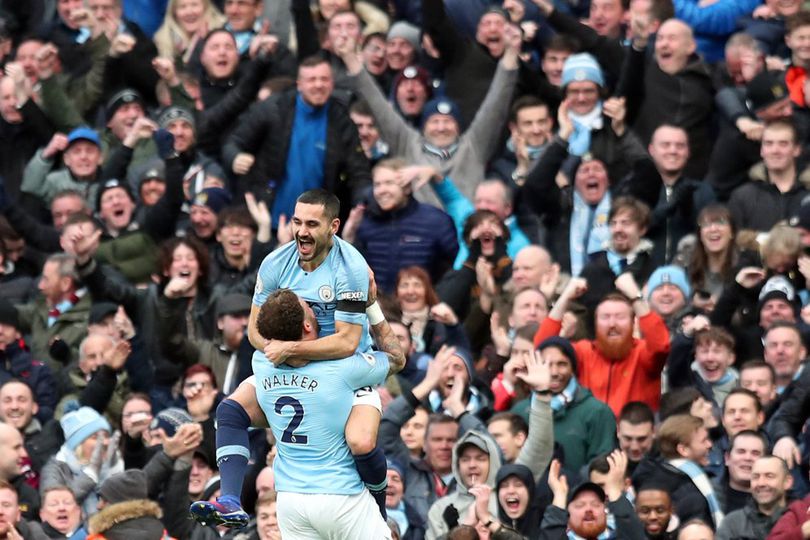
pixel 307 409
pixel 337 290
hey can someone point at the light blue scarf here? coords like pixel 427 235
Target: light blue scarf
pixel 701 481
pixel 398 515
pixel 244 37
pixel 580 141
pixel 561 400
pixel 579 227
pixel 534 152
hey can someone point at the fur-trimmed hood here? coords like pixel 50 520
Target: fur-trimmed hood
pixel 145 511
pixel 758 173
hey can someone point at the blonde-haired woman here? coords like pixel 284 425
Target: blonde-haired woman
pixel 186 22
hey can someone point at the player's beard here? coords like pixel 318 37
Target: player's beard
pixel 590 530
pixel 614 348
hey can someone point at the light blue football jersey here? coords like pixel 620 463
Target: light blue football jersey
pixel 307 408
pixel 337 290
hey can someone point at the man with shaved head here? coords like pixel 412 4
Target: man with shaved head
pixel 674 87
pixel 529 267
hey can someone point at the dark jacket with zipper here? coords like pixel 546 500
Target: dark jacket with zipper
pixel 265 131
pixel 759 205
pixel 417 234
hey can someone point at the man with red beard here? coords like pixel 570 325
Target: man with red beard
pixel 584 517
pixel 616 367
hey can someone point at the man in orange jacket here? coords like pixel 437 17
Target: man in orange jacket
pixel 615 366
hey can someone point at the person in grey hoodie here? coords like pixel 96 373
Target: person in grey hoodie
pixel 477 458
pixel 460 156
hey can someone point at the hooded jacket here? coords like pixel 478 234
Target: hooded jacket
pixel 529 523
pixel 128 520
pixel 759 205
pixel 461 499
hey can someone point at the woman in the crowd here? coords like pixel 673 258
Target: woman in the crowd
pixel 413 432
pixel 714 257
pixel 416 296
pixel 200 392
pixel 185 24
pixel 87 458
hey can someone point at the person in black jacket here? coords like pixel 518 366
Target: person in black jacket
pixel 777 187
pixel 297 140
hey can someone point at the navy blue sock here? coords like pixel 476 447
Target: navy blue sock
pixel 233 447
pixel 374 473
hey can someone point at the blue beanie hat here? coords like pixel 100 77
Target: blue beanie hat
pixel 674 275
pixel 394 465
pixel 466 356
pixel 564 346
pixel 441 105
pixel 81 424
pixel 214 198
pixel 582 67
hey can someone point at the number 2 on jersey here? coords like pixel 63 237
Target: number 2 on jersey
pixel 288 436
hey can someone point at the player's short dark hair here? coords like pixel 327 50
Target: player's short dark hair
pixel 636 413
pixel 321 197
pixel 281 316
pixel 516 422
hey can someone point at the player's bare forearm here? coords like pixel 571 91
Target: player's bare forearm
pixel 343 343
pixel 387 342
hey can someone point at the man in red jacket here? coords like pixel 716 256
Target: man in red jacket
pixel 615 366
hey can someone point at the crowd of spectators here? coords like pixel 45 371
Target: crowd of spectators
pixel 617 188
